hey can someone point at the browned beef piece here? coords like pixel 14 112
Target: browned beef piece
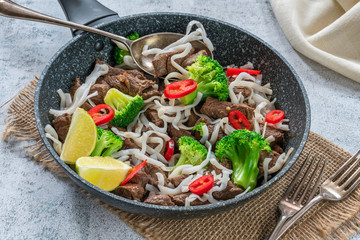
pixel 159 62
pixel 178 179
pixel 61 125
pixel 220 109
pixel 153 117
pixel 179 200
pixel 225 163
pixel 164 200
pixel 191 59
pixel 179 61
pixel 129 144
pixel 270 131
pixel 151 171
pixel 140 178
pixel 229 192
pixel 86 106
pixel 101 89
pixel 245 91
pixel 277 148
pixel 192 119
pixel 130 82
pixel 75 85
pixel 131 191
pixel 263 154
pixel 176 134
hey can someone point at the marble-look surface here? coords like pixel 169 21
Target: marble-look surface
pixel 35 204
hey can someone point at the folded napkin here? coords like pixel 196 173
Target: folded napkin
pixel 327 31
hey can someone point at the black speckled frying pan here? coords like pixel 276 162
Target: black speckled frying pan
pixel 232 45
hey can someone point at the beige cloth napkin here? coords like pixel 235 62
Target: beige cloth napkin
pixel 327 31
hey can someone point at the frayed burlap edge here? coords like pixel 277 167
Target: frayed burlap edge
pixel 337 220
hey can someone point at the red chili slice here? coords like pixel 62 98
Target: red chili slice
pixel 202 185
pixel 170 147
pixel 237 71
pixel 274 116
pixel 180 89
pixel 101 114
pixel 133 171
pixel 238 120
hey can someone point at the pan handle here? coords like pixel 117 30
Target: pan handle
pixel 86 12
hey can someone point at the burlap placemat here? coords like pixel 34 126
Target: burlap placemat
pixel 253 220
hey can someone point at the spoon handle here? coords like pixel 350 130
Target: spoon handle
pixel 13 10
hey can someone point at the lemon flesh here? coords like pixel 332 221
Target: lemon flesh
pixel 81 138
pixel 104 172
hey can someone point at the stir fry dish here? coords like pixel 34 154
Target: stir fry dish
pixel 203 133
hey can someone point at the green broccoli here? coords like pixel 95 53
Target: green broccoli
pixel 106 143
pixel 192 152
pixel 242 148
pixel 126 107
pixel 198 127
pixel 210 77
pixel 120 53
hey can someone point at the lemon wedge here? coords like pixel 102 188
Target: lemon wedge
pixel 81 138
pixel 104 172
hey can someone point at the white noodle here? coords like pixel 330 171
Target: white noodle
pixel 266 168
pixel 205 136
pixel 281 161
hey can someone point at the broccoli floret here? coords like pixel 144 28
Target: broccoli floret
pixel 126 107
pixel 106 143
pixel 120 53
pixel 242 148
pixel 192 152
pixel 210 77
pixel 198 127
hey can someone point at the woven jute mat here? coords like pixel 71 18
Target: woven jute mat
pixel 253 220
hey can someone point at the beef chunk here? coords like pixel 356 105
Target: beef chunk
pixel 245 91
pixel 225 163
pixel 101 89
pixel 229 192
pixel 192 119
pixel 270 131
pixel 277 148
pixel 178 179
pixel 75 85
pixel 153 117
pixel 131 82
pixel 220 109
pixel 151 171
pixel 176 134
pixel 61 125
pixel 86 106
pixel 170 67
pixel 140 178
pixel 159 62
pixel 191 59
pixel 131 191
pixel 164 200
pixel 129 144
pixel 179 200
pixel 264 154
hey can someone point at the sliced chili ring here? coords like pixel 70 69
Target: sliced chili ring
pixel 202 185
pixel 238 120
pixel 180 89
pixel 133 171
pixel 102 114
pixel 274 116
pixel 170 147
pixel 237 71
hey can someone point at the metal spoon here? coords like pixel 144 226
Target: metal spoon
pixel 155 40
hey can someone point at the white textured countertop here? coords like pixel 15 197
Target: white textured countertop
pixel 36 205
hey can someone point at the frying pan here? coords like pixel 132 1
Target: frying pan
pixel 233 45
